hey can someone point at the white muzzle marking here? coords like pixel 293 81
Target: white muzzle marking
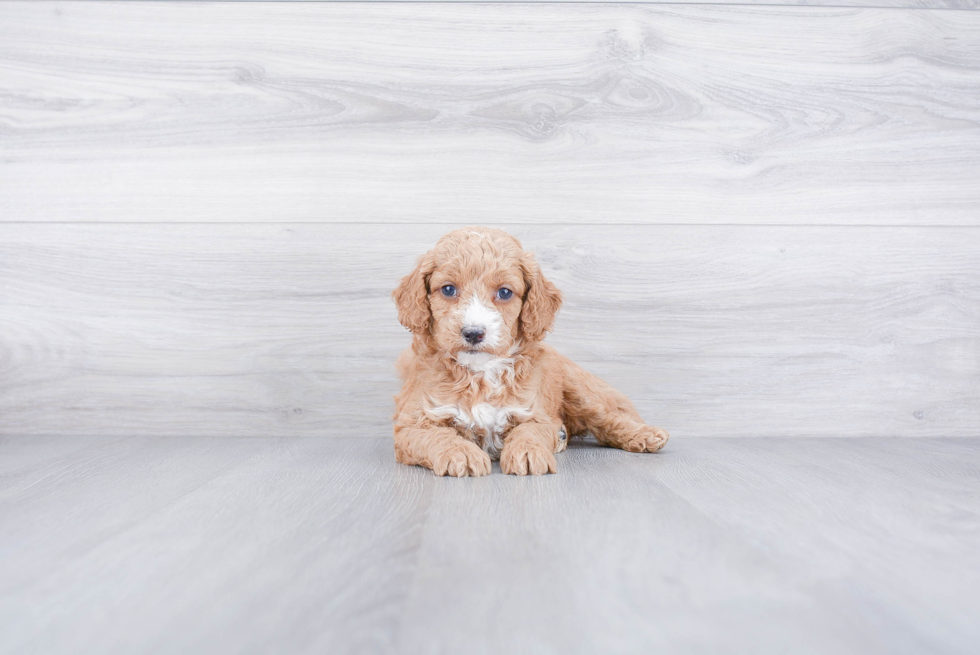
pixel 478 315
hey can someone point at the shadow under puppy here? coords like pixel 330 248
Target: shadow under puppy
pixel 478 383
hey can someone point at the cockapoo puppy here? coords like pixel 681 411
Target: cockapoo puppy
pixel 478 383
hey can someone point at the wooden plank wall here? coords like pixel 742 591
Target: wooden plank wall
pixel 765 219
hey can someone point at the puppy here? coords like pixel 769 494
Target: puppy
pixel 478 383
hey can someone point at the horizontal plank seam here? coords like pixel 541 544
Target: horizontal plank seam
pixel 577 443
pixel 519 223
pixel 533 2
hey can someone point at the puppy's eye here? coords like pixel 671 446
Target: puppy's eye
pixel 504 293
pixel 448 290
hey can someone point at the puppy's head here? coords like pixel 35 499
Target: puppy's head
pixel 476 295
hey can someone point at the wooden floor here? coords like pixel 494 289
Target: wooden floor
pixel 304 545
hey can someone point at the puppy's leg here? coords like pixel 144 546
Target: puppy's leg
pixel 529 449
pixel 440 449
pixel 608 414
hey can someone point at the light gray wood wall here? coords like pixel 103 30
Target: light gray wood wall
pixel 910 4
pixel 467 113
pixel 766 220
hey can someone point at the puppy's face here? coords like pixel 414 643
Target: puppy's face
pixel 477 295
pixel 475 298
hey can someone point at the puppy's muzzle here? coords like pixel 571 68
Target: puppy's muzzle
pixel 474 334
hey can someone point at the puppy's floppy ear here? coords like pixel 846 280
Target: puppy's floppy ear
pixel 542 300
pixel 411 296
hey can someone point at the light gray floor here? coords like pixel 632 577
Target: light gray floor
pixel 212 545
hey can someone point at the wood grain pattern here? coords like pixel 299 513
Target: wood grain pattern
pixel 261 538
pixel 892 4
pixel 289 329
pixel 213 545
pixel 745 545
pixel 531 113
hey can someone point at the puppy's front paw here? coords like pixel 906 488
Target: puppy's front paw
pixel 649 440
pixel 460 459
pixel 527 457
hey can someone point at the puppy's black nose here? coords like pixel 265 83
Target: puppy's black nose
pixel 474 335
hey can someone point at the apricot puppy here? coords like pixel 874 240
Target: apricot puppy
pixel 478 383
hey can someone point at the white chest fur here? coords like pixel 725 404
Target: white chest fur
pixel 486 423
pixel 495 370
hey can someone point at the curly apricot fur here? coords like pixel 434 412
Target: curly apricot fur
pixel 544 393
